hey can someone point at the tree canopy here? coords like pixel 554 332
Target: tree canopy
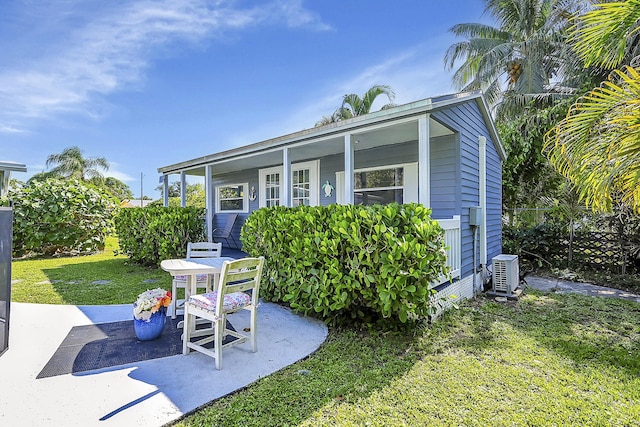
pixel 597 145
pixel 353 105
pixel 71 163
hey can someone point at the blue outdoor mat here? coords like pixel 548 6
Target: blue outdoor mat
pixel 104 345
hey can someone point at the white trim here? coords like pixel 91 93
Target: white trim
pixel 165 190
pixel 424 161
pixel 285 188
pixel 183 189
pixel 482 166
pixel 208 196
pixel 244 197
pixel 314 181
pixel 409 185
pixel 348 183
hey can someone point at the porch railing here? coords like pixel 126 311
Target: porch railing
pixel 454 248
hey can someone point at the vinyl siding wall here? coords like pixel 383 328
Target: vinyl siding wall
pixel 454 177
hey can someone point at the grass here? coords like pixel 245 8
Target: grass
pixel 71 280
pixel 545 360
pixel 548 359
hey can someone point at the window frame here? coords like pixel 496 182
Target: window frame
pixel 314 182
pixel 409 182
pixel 244 198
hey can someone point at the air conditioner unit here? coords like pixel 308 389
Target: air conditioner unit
pixel 506 275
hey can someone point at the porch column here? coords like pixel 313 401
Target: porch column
pixel 286 178
pixel 424 162
pixel 348 170
pixel 482 170
pixel 183 189
pixel 208 201
pixel 165 190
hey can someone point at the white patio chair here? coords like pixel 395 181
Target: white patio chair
pixel 203 281
pixel 231 295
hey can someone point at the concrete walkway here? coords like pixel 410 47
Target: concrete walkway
pixel 565 286
pixel 149 393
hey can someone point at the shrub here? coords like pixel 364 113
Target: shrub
pixel 363 262
pixel 149 235
pixel 58 215
pixel 540 245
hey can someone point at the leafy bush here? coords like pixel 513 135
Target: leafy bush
pixel 57 215
pixel 364 262
pixel 540 245
pixel 149 235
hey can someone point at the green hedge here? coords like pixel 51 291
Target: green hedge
pixel 152 234
pixel 61 216
pixel 362 262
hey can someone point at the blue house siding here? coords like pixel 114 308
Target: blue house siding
pixel 453 170
pixel 444 177
pixel 468 121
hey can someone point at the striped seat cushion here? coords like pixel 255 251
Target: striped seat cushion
pixel 232 301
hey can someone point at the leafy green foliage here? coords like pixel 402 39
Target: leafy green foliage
pixel 117 188
pixel 542 245
pixel 526 174
pixel 195 195
pixel 60 216
pixel 362 262
pixel 149 235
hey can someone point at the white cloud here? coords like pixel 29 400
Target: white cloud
pixel 89 54
pixel 120 176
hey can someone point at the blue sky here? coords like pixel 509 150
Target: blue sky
pixel 150 83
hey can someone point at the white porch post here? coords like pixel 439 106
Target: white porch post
pixel 286 178
pixel 165 190
pixel 482 166
pixel 424 162
pixel 348 170
pixel 208 197
pixel 183 189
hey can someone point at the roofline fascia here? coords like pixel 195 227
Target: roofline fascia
pixel 13 166
pixel 338 129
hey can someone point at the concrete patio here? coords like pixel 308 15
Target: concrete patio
pixel 149 393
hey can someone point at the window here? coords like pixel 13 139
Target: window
pixel 381 185
pixel 272 189
pixel 232 198
pixel 301 184
pixel 304 185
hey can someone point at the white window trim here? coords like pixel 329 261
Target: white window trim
pixel 409 187
pixel 314 181
pixel 245 198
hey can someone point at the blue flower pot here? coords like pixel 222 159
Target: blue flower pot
pixel 151 329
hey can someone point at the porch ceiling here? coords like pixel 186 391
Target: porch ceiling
pixel 325 146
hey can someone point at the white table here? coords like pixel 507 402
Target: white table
pixel 191 268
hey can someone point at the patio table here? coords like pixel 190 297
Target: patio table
pixel 191 268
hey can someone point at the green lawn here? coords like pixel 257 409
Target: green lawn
pixel 70 280
pixel 546 360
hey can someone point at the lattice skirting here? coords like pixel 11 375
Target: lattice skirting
pixel 462 289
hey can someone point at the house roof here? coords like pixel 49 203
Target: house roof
pixel 12 166
pixel 402 118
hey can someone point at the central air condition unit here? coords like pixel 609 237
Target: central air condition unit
pixel 506 276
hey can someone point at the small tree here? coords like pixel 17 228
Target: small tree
pixel 61 216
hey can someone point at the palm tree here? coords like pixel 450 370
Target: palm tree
pixel 71 163
pixel 597 146
pixel 353 105
pixel 517 60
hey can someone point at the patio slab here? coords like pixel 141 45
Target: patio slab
pixel 149 393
